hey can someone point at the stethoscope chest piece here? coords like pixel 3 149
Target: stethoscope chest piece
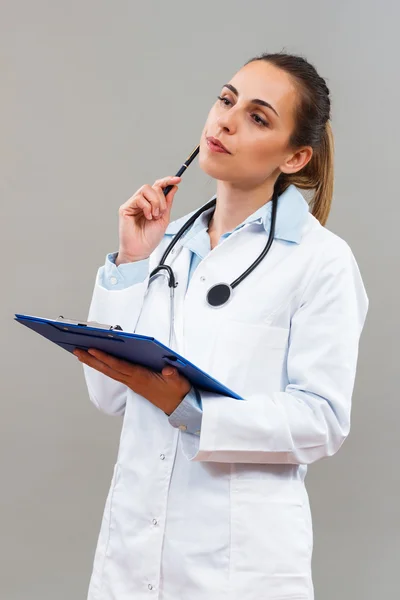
pixel 219 294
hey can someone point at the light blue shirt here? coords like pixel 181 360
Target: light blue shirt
pixel 292 211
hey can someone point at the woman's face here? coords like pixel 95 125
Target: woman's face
pixel 256 136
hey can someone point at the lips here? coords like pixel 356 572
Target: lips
pixel 215 142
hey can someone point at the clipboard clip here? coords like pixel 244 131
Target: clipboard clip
pixel 94 324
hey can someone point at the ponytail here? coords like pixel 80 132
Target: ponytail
pixel 313 129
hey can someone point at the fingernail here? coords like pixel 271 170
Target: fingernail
pixel 156 212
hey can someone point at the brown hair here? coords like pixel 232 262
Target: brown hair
pixel 312 128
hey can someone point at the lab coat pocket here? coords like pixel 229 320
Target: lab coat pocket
pixel 271 539
pixel 251 357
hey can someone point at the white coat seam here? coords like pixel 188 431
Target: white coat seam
pixel 101 573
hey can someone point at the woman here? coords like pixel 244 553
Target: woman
pixel 207 500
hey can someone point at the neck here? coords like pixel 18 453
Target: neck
pixel 235 204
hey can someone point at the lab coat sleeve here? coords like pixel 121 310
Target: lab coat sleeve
pixel 123 276
pixel 120 305
pixel 310 419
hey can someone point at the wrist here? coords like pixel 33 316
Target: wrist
pixel 121 259
pixel 174 403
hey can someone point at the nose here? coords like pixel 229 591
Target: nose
pixel 227 121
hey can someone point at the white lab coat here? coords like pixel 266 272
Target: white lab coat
pixel 225 515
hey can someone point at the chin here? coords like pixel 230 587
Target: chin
pixel 210 164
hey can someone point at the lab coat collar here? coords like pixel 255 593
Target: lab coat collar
pixel 290 218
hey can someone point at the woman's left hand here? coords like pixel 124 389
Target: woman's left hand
pixel 165 390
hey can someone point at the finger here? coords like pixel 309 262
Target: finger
pixel 145 206
pixel 168 371
pixel 151 194
pixel 100 366
pixel 144 199
pixel 164 181
pixel 135 205
pixel 161 198
pixel 117 364
pixel 160 184
pixel 124 367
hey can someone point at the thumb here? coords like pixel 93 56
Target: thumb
pixel 169 371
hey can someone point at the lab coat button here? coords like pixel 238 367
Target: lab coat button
pixel 150 586
pixel 202 278
pixel 182 427
pixel 155 522
pixel 113 280
pixel 162 456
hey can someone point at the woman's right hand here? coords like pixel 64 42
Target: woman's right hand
pixel 143 220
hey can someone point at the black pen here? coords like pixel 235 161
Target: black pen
pixel 183 168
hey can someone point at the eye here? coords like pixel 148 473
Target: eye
pixel 222 99
pixel 260 121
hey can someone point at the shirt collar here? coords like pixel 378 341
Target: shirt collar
pixel 291 215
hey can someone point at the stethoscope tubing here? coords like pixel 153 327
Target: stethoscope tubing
pixel 220 293
pixel 189 223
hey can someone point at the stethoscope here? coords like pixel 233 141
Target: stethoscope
pixel 219 294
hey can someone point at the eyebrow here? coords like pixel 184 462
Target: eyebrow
pixel 254 101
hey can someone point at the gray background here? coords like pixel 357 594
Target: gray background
pixel 98 98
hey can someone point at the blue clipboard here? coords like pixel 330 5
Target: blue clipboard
pixel 139 349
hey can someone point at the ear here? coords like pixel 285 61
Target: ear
pixel 295 162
